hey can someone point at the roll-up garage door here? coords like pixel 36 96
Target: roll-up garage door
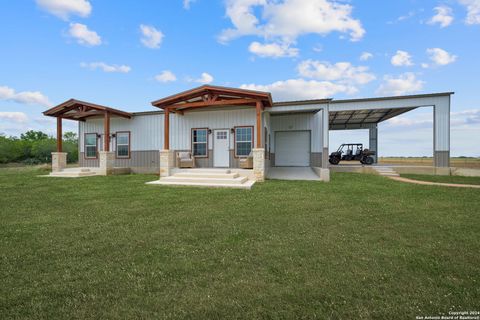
pixel 292 148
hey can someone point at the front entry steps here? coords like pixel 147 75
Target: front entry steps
pixel 386 171
pixel 75 173
pixel 220 178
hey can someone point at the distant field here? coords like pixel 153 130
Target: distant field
pixel 421 161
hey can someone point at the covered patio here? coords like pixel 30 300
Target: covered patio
pixel 212 97
pixel 81 111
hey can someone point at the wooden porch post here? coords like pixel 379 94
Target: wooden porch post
pixel 59 134
pixel 259 123
pixel 166 130
pixel 106 127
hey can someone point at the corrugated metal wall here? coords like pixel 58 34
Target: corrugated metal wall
pixel 147 130
pixel 180 126
pixel 300 121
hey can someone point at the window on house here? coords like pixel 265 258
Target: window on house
pixel 243 141
pixel 123 144
pixel 199 142
pixel 90 145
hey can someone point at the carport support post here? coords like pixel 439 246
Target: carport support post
pixel 373 140
pixel 59 158
pixel 441 136
pixel 325 125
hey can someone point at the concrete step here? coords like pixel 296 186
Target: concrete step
pixel 386 171
pixel 246 185
pixel 191 179
pixel 202 174
pixel 71 174
pixel 206 170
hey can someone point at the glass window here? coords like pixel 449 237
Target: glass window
pixel 243 141
pixel 221 135
pixel 199 142
pixel 90 145
pixel 123 144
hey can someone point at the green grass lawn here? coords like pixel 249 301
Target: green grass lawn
pixel 360 247
pixel 443 179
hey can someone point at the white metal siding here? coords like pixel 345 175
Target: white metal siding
pixel 298 122
pixel 147 130
pixel 180 126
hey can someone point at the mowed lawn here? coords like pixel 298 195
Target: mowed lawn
pixel 360 247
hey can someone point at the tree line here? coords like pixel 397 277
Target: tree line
pixel 36 147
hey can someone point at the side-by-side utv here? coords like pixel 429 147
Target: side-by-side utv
pixel 352 152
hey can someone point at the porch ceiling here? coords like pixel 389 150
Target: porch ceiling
pixel 360 117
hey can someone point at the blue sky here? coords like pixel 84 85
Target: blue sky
pixel 125 54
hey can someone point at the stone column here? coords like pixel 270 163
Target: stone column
pixel 259 164
pixel 59 161
pixel 167 162
pixel 107 162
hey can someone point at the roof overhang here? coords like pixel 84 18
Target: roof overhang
pixel 212 96
pixel 80 111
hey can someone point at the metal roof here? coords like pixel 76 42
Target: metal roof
pixel 332 101
pixel 367 116
pixel 80 110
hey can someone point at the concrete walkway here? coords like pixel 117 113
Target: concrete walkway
pixel 428 183
pixel 292 173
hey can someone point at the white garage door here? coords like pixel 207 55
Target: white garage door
pixel 292 148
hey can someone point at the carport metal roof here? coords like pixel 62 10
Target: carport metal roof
pixel 361 117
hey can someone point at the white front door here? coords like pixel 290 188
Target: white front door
pixel 221 146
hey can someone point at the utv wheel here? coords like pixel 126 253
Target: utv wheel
pixel 333 161
pixel 368 160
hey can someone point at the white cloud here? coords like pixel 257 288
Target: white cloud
pixel 273 50
pixel 299 89
pixel 151 37
pixel 404 84
pixel 205 78
pixel 443 16
pixel 402 59
pixel 187 4
pixel 19 117
pixel 24 97
pixel 64 8
pixel 284 21
pixel 366 56
pixel 83 35
pixel 473 11
pixel 166 76
pixel 341 71
pixel 106 67
pixel 470 117
pixel 441 57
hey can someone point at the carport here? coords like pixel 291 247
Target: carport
pixel 368 113
pixel 302 127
